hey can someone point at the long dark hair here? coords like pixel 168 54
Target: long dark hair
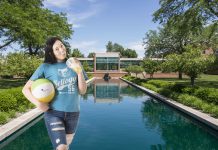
pixel 49 54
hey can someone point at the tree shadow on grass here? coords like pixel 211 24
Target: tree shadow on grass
pixel 11 83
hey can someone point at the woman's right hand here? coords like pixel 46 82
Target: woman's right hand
pixel 42 106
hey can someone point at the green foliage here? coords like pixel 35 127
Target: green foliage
pixel 134 69
pixel 25 67
pixel 12 100
pixel 7 101
pixel 86 67
pixel 3 117
pixel 197 97
pixel 12 113
pixel 195 63
pixel 207 94
pixel 189 90
pixel 89 75
pixel 150 87
pixel 173 63
pixel 190 100
pixel 129 53
pixel 91 55
pixel 30 24
pixel 178 87
pixel 22 108
pixel 160 83
pixel 77 53
pixel 151 66
pixel 193 13
pixel 191 62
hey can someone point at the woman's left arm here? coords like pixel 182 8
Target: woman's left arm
pixel 81 83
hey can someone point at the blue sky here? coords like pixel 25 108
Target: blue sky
pixel 95 22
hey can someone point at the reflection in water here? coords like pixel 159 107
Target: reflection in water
pixel 177 131
pixel 110 91
pixel 135 121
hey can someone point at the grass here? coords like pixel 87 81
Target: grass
pixel 204 80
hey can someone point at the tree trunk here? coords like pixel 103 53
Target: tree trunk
pixel 30 49
pixel 192 81
pixel 180 75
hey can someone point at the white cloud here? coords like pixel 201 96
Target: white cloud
pixel 138 47
pixel 87 47
pixel 77 18
pixel 77 25
pixel 58 3
pixel 83 44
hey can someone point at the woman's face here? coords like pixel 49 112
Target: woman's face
pixel 59 51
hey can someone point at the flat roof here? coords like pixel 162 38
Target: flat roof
pixel 108 54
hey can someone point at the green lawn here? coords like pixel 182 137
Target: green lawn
pixel 204 80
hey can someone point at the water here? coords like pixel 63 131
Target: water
pixel 114 116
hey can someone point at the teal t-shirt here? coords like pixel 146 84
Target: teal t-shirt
pixel 65 81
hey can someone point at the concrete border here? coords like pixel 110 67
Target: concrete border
pixel 200 116
pixel 9 128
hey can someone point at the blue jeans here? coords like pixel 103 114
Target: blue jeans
pixel 58 124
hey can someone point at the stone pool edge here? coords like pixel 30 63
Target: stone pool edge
pixel 17 123
pixel 200 116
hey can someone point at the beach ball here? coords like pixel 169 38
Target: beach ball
pixel 43 90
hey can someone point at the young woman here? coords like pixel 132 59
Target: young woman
pixel 62 113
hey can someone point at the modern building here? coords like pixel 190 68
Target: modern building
pixel 109 62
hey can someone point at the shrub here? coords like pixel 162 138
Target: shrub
pixel 7 101
pixel 190 100
pixel 214 111
pixel 22 108
pixel 150 87
pixel 189 90
pixel 160 84
pixel 12 113
pixel 206 108
pixel 207 94
pixel 178 87
pixel 174 95
pixel 17 93
pixel 3 117
pixel 165 91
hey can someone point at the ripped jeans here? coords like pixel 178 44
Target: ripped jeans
pixel 58 124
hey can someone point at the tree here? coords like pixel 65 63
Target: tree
pixel 129 53
pixel 195 63
pixel 91 55
pixel 134 69
pixel 109 46
pixel 173 63
pixel 151 66
pixel 195 13
pixel 192 62
pixel 29 24
pixel 170 39
pixel 76 53
pixel 86 67
pixel 24 68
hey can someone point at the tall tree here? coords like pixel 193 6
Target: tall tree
pixel 109 46
pixel 76 53
pixel 29 24
pixel 129 53
pixel 91 55
pixel 194 12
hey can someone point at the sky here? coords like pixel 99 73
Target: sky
pixel 95 22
